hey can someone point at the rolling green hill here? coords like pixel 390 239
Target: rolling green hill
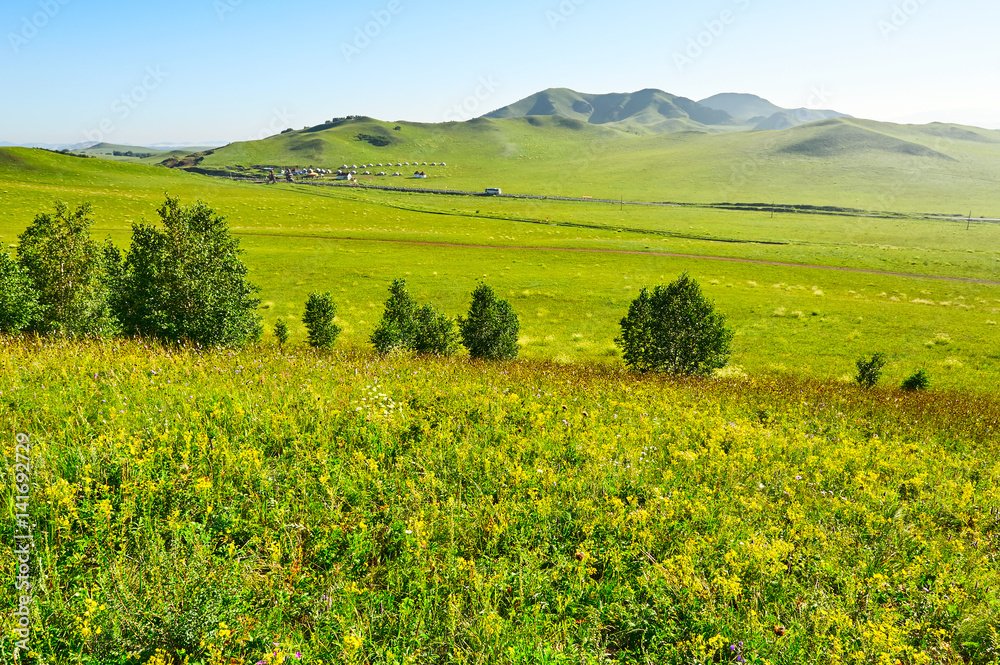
pixel 844 162
pixel 835 138
pixel 131 153
pixel 646 111
pixel 655 112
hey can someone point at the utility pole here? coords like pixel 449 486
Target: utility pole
pixel 969 225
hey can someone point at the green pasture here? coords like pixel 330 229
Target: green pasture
pixel 803 320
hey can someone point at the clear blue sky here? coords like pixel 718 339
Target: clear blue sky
pixel 207 71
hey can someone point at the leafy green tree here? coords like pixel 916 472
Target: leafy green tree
pixel 870 370
pixel 490 330
pixel 18 301
pixel 398 325
pixel 66 269
pixel 281 331
pixel 319 316
pixel 435 333
pixel 187 281
pixel 674 329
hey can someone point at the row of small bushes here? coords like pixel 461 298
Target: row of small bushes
pixel 185 282
pixel 488 332
pixel 870 371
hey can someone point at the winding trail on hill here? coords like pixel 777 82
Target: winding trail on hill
pixel 630 252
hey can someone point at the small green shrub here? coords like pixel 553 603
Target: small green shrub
pixel 674 329
pixel 281 332
pixel 490 331
pixel 870 370
pixel 318 319
pixel 398 325
pixel 18 301
pixel 404 325
pixel 67 270
pixel 435 333
pixel 919 380
pixel 187 281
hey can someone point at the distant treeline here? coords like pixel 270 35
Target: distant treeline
pixel 129 153
pixel 65 151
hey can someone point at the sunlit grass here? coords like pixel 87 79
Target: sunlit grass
pixel 358 509
pixel 299 239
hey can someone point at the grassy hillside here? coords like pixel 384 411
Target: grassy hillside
pixel 140 154
pixel 841 162
pixel 342 508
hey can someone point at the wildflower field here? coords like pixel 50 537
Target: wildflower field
pixel 265 506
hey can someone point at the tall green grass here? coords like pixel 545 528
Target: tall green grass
pixel 221 505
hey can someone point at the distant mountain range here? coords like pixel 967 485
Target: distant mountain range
pixel 563 120
pixel 48 146
pixel 89 145
pixel 653 111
